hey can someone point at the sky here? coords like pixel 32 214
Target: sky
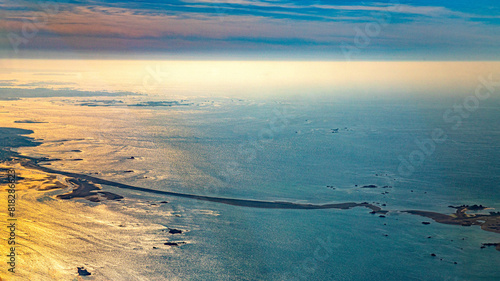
pixel 245 29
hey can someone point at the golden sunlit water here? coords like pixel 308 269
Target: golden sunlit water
pixel 174 147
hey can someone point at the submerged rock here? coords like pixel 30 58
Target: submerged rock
pixel 174 243
pixel 496 245
pixel 83 272
pixel 174 231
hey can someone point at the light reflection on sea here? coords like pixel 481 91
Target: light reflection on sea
pixel 187 149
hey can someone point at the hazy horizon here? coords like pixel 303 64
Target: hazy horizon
pixel 269 78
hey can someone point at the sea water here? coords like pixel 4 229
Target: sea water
pixel 300 149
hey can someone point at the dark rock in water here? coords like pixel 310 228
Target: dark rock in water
pixel 174 231
pixel 174 243
pixel 382 216
pixel 83 272
pixel 496 245
pixel 163 202
pixel 476 207
pixel 426 222
pixel 433 255
pixel 471 208
pixel 369 186
pixel 379 212
pixel 29 121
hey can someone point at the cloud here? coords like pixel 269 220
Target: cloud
pixel 247 25
pixel 378 7
pixel 123 23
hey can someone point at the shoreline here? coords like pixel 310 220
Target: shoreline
pixel 86 184
pixel 86 187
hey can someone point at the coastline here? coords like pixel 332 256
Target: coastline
pixel 86 186
pixel 55 237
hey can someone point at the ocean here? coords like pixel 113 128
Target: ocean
pixel 298 150
pixel 401 140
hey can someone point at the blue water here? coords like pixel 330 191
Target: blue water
pixel 286 150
